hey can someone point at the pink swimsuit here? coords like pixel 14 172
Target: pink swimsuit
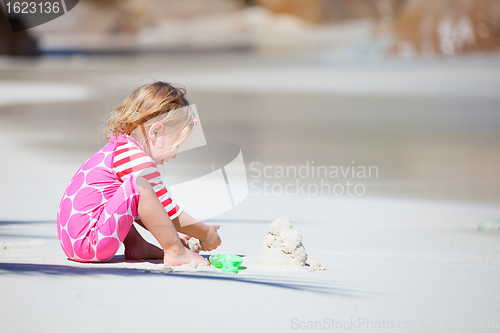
pixel 100 203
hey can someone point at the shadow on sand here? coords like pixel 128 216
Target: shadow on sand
pixel 290 283
pixel 91 269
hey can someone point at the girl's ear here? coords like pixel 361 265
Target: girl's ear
pixel 155 129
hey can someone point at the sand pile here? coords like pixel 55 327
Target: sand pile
pixel 194 244
pixel 282 248
pixel 282 245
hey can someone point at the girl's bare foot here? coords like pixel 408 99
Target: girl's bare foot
pixel 181 256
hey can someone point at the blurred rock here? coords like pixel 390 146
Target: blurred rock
pixel 139 30
pixel 129 16
pixel 448 27
pixel 20 43
pixel 344 28
pixel 318 11
pixel 133 26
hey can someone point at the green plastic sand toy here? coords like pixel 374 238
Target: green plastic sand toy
pixel 226 262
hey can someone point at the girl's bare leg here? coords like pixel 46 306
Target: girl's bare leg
pixel 136 247
pixel 156 220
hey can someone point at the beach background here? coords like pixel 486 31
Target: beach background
pixel 408 88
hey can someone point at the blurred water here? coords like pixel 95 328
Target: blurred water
pixel 430 142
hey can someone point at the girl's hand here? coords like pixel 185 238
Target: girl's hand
pixel 212 239
pixel 190 242
pixel 184 239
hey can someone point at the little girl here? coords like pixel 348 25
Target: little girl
pixel 120 183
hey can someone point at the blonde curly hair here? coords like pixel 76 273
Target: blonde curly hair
pixel 155 102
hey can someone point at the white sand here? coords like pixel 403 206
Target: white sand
pixel 194 244
pixel 282 249
pixel 282 246
pixel 391 260
pixel 387 259
pixel 404 261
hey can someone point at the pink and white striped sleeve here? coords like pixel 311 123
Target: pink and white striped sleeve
pixel 129 161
